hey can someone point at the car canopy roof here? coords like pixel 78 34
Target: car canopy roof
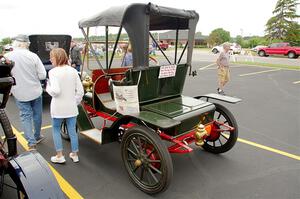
pixel 161 18
pixel 139 19
pixel 43 44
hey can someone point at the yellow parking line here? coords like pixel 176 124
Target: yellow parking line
pixel 43 128
pixel 297 82
pixel 64 185
pixel 265 71
pixel 296 157
pixel 46 127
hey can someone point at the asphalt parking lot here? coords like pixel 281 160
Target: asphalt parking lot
pixel 265 162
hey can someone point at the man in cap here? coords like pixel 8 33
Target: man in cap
pixel 223 68
pixel 28 71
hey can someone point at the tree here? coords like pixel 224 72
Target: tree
pixel 280 25
pixel 293 35
pixel 6 40
pixel 239 40
pixel 218 36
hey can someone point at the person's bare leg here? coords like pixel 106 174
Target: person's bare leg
pixel 59 154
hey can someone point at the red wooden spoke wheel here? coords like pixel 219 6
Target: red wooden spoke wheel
pixel 146 159
pixel 224 131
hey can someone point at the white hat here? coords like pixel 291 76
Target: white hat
pixel 21 38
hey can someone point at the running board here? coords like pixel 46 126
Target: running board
pixel 93 134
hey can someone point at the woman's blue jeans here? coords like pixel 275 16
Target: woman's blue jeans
pixel 31 113
pixel 71 126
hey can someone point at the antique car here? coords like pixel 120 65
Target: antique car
pixel 43 44
pixel 29 170
pixel 142 106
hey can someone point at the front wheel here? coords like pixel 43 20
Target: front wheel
pixel 222 138
pixel 262 53
pixel 146 160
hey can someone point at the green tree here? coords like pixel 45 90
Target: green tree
pixel 293 35
pixel 218 36
pixel 239 39
pixel 6 40
pixel 279 26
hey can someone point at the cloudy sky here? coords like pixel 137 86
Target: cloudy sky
pixel 240 17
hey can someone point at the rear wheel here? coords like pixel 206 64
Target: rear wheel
pixel 146 160
pixel 291 55
pixel 222 138
pixel 261 53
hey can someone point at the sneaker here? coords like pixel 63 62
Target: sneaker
pixel 32 148
pixel 221 92
pixel 75 158
pixel 41 138
pixel 59 160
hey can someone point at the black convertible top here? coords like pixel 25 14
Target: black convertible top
pixel 43 44
pixel 120 15
pixel 138 19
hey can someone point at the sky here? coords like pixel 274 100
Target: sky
pixel 239 17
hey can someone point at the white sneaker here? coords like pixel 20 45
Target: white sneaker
pixel 59 160
pixel 75 158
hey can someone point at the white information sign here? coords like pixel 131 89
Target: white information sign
pixel 167 71
pixel 127 100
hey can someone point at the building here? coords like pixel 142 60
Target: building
pixel 170 38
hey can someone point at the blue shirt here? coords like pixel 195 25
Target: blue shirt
pixel 127 59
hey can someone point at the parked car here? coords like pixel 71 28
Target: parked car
pixel 164 46
pixel 43 44
pixel 256 48
pixel 145 105
pixel 8 47
pixel 234 47
pixel 282 48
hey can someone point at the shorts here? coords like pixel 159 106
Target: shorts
pixel 223 74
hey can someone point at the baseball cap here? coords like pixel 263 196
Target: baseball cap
pixel 21 38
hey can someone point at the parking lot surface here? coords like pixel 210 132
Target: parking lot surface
pixel 264 163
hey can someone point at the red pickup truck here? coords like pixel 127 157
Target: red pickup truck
pixel 280 49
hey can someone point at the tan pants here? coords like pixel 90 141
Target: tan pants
pixel 223 74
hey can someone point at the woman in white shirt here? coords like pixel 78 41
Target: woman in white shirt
pixel 66 90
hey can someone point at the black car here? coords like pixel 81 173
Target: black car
pixel 43 44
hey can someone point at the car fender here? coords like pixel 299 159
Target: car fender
pixel 223 98
pixel 31 171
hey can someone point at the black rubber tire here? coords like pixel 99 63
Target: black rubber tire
pixel 138 133
pixel 261 53
pixel 291 55
pixel 215 51
pixel 64 131
pixel 1 181
pixel 8 132
pixel 230 142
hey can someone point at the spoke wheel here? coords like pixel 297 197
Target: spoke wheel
pixel 146 159
pixel 222 139
pixel 64 130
